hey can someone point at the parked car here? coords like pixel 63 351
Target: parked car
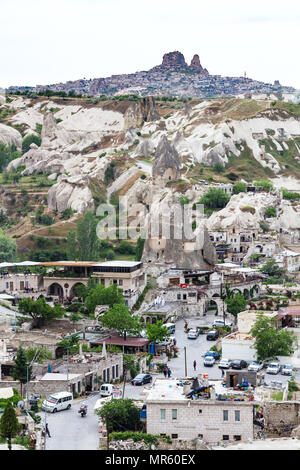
pixel 256 366
pixel 214 354
pixel 221 323
pixel 209 361
pixel 224 363
pixel 171 328
pixel 142 379
pixel 107 390
pixel 238 364
pixel 273 368
pixel 287 369
pixel 193 334
pixel 212 335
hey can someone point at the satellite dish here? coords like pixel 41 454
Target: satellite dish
pixel 20 404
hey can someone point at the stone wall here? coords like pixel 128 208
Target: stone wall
pixel 282 413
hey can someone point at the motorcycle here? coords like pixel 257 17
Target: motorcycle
pixel 83 410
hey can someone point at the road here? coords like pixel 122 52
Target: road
pixel 69 431
pixel 145 166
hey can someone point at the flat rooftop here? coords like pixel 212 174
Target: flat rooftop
pixel 62 377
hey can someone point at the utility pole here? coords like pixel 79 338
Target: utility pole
pixel 185 364
pixel 67 369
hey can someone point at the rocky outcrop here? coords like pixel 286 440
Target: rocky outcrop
pixel 71 193
pixel 173 60
pixel 10 136
pixel 49 129
pixel 143 111
pixel 244 211
pixel 167 163
pixel 197 67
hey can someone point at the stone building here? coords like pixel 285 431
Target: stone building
pixel 171 412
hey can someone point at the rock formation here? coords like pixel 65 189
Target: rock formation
pixel 10 136
pixel 173 59
pixel 197 67
pixel 173 247
pixel 167 163
pixel 144 110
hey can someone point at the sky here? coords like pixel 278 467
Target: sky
pixel 72 39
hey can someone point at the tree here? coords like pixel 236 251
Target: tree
pixel 139 248
pixel 266 185
pixel 21 371
pixel 236 304
pixel 120 415
pixel 71 245
pixel 87 237
pixel 40 311
pixel 239 187
pixel 271 212
pixel 121 319
pixel 39 354
pixel 7 154
pixel 8 248
pixel 100 295
pixel 9 425
pixel 30 139
pixel 156 332
pixel 271 341
pixel 69 342
pixel 214 199
pixel 272 269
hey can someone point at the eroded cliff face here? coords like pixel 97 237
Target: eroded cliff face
pixel 81 140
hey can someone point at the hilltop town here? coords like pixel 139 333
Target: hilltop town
pixel 174 77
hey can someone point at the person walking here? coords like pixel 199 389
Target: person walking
pixel 47 430
pixel 195 365
pixel 169 372
pixel 223 373
pixel 165 371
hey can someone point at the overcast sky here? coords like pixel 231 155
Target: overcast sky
pixel 45 43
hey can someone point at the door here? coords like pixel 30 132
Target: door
pixel 59 405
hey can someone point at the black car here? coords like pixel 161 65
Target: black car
pixel 142 379
pixel 212 335
pixel 238 364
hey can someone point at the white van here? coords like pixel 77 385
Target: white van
pixel 57 402
pixel 107 390
pixel 171 328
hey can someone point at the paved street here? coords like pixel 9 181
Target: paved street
pixel 69 431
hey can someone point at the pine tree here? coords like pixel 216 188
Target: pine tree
pixel 20 369
pixel 9 425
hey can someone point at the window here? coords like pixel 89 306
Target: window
pixel 184 296
pixel 237 416
pixel 200 436
pixel 117 371
pixel 174 414
pixel 162 415
pixel 200 412
pixel 104 375
pixel 225 415
pixel 174 436
pixel 178 296
pixel 225 437
pixel 120 282
pixel 237 438
pixel 113 372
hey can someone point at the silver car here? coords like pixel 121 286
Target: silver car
pixel 273 368
pixel 287 369
pixel 256 366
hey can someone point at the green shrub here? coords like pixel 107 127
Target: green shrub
pixel 30 139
